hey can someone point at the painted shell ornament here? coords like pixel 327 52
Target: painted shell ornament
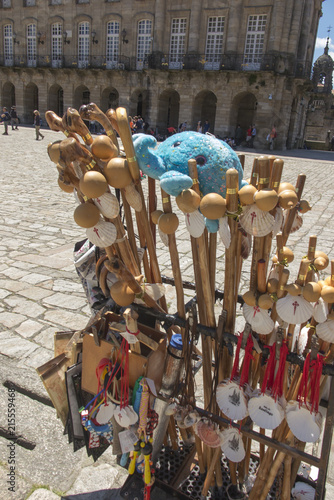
pixel 108 205
pixel 224 231
pixel 231 400
pixel 258 318
pixel 102 235
pixel 294 309
pixel 195 224
pixel 325 330
pixel 233 446
pixel 255 221
pixel 265 411
pixel 302 491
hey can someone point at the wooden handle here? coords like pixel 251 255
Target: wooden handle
pixel 72 121
pixel 92 112
pixel 264 172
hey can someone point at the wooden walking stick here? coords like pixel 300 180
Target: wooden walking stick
pixel 144 224
pixel 292 212
pixel 56 124
pixel 92 112
pixel 73 122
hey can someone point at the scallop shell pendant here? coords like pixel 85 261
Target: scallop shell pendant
pixel 255 221
pixel 171 409
pixel 278 221
pixel 195 224
pixel 303 491
pixel 297 221
pixel 233 446
pixel 105 413
pixel 306 426
pixel 265 411
pixel 132 415
pixel 326 330
pixel 224 231
pixel 231 400
pixel 294 309
pixel 103 234
pixel 108 205
pixel 133 197
pixel 208 433
pixel 163 237
pixel 122 417
pixel 259 319
pixel 320 311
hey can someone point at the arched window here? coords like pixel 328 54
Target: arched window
pixel 56 45
pixel 144 42
pixel 31 45
pixel 83 44
pixel 112 50
pixel 8 44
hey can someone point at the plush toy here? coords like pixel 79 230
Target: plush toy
pixel 168 162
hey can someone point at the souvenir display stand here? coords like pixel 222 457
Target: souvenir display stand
pixel 188 404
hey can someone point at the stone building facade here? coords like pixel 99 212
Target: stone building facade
pixel 228 61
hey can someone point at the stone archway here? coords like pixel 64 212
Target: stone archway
pixel 8 95
pixel 56 99
pixel 30 102
pixel 81 96
pixel 243 111
pixel 109 99
pixel 138 104
pixel 168 110
pixel 205 105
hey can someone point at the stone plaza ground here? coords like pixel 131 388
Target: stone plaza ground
pixel 40 294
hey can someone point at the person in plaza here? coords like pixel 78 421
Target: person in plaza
pixel 139 125
pixel 253 134
pixel 38 123
pixel 206 127
pixel 171 131
pixel 238 135
pixel 14 118
pixel 183 127
pixel 248 135
pixel 272 138
pixel 199 127
pixel 5 118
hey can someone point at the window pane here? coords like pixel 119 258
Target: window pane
pixel 144 42
pixel 112 51
pixel 31 44
pixel 83 45
pixel 214 42
pixel 56 45
pixel 254 42
pixel 177 43
pixel 8 44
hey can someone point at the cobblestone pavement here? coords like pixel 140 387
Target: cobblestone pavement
pixel 40 294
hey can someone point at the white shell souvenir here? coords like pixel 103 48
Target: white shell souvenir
pixel 108 205
pixel 122 417
pixel 233 446
pixel 208 433
pixel 278 221
pixel 191 419
pixel 258 318
pixel 171 409
pixel 105 413
pixel 320 311
pixel 326 330
pixel 133 197
pixel 306 426
pixel 294 309
pixel 224 231
pixel 273 274
pixel 255 221
pixel 163 237
pixel 302 491
pixel 133 417
pixel 265 411
pixel 103 234
pixel 195 224
pixel 231 400
pixel 302 340
pixel 297 221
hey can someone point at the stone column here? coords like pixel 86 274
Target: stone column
pixel 277 22
pixel 194 26
pixel 294 31
pixel 160 26
pixel 233 29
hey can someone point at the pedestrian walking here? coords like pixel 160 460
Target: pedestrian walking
pixel 253 134
pixel 272 138
pixel 5 118
pixel 14 118
pixel 37 123
pixel 206 127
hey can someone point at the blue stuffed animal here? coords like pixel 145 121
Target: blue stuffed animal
pixel 168 162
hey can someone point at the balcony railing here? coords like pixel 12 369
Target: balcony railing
pixel 160 61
